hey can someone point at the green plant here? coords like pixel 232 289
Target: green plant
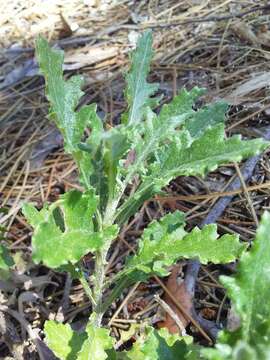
pixel 144 152
pixel 6 260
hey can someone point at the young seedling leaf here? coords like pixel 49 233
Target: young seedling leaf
pixel 96 344
pixel 249 292
pixel 65 232
pixel 62 340
pixel 138 91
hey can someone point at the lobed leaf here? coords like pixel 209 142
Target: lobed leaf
pixel 64 99
pixel 250 293
pixel 198 157
pixel 151 134
pixel 186 156
pixel 63 95
pixel 64 231
pixel 138 91
pixel 165 241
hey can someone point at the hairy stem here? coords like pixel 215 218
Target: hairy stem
pixel 100 265
pixel 99 276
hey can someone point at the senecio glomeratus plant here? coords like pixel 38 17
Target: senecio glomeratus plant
pixel 120 168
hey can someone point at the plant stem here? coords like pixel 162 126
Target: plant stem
pixel 100 265
pixel 99 276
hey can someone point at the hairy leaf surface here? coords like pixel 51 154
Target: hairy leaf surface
pixel 64 96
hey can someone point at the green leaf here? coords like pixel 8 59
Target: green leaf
pixel 205 118
pixel 62 340
pixel 164 242
pixel 250 294
pixel 180 104
pixel 87 153
pixel 96 344
pixel 64 232
pixel 6 262
pixel 207 247
pixel 138 91
pixel 198 158
pixel 250 285
pixel 116 144
pixel 148 136
pixel 63 95
pixel 186 156
pixel 64 98
pixel 33 216
pixel 159 345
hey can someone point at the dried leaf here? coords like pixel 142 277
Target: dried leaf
pixel 89 55
pixel 182 296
